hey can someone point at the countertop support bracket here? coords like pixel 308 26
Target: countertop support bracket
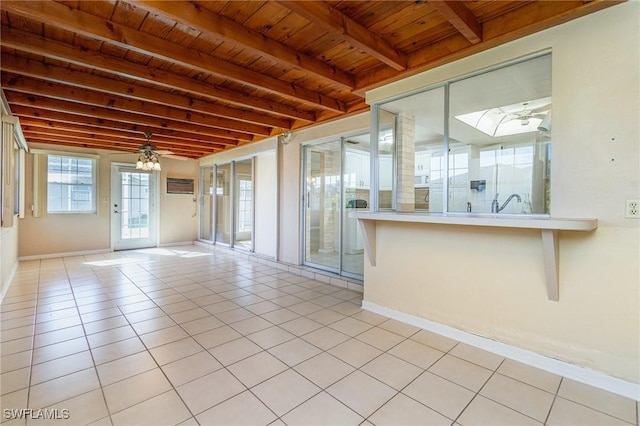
pixel 550 251
pixel 368 228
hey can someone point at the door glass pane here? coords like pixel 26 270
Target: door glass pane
pixel 135 205
pixel 322 204
pixel 356 198
pixel 223 204
pixel 243 204
pixel 206 203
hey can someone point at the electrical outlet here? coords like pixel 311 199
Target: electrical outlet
pixel 633 209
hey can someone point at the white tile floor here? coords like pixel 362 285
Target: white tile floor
pixel 186 336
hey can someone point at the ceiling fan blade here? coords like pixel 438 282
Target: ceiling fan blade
pixel 543 108
pixel 164 152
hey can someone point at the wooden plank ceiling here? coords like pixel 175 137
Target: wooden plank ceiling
pixel 203 76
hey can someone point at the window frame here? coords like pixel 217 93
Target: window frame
pixel 385 105
pixel 93 185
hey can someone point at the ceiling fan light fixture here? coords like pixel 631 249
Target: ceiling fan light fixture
pixel 148 159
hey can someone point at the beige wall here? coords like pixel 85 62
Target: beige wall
pixel 53 234
pixel 178 212
pixel 490 282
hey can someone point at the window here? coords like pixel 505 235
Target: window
pixel 71 184
pixel 481 143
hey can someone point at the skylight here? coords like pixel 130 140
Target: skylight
pixel 523 117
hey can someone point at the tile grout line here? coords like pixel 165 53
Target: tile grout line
pixel 84 331
pixel 553 402
pixel 206 350
pixel 477 393
pixel 149 351
pixel 33 338
pixel 169 272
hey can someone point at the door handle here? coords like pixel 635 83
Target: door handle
pixel 116 211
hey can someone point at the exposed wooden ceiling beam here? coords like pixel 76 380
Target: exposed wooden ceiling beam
pixel 191 15
pixel 106 140
pixel 31 43
pixel 168 142
pixel 539 15
pixel 55 118
pixel 59 135
pixel 41 102
pixel 118 103
pixel 461 18
pixel 330 19
pixel 85 80
pixel 118 146
pixel 521 22
pixel 74 20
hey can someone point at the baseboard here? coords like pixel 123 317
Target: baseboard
pixel 66 254
pixel 552 365
pixel 7 283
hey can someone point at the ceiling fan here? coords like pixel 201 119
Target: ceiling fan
pixel 526 114
pixel 150 155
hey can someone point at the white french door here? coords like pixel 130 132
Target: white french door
pixel 133 208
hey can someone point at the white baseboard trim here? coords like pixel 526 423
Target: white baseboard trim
pixel 552 365
pixel 7 283
pixel 66 254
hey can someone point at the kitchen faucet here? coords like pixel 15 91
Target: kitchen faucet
pixel 495 206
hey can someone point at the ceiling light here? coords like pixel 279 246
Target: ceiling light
pixel 148 160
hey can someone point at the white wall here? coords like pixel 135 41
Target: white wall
pixel 491 282
pixel 290 199
pixel 265 203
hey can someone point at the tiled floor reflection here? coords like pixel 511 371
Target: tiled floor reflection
pixel 186 336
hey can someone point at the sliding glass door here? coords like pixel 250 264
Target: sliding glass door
pixel 322 205
pixel 223 204
pixel 243 204
pixel 207 183
pixel 227 204
pixel 336 183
